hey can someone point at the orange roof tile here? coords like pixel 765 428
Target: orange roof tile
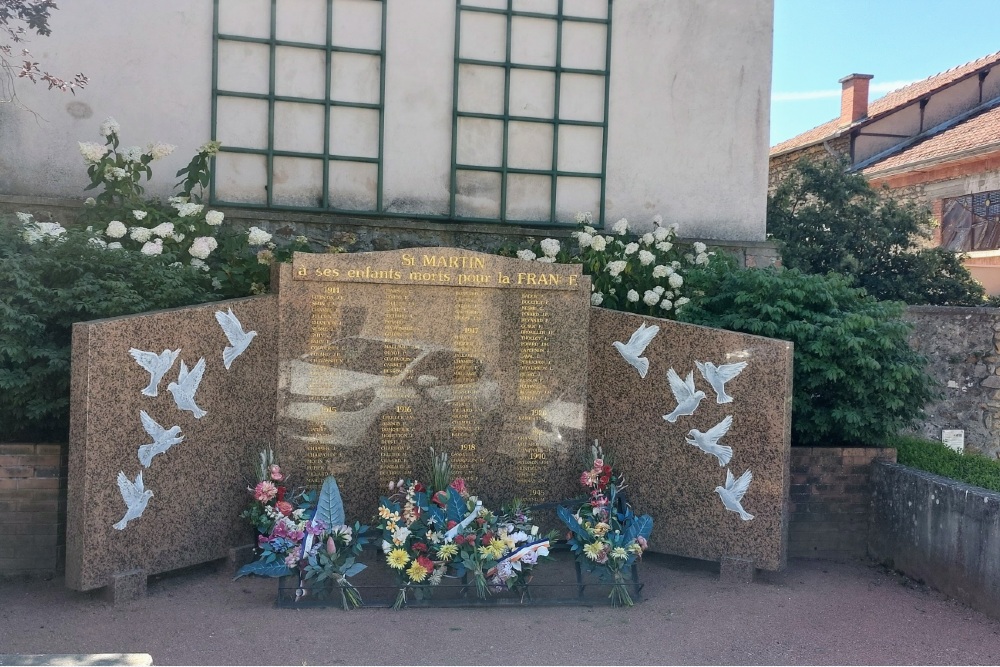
pixel 890 102
pixel 980 131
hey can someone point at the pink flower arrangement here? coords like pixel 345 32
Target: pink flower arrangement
pixel 265 492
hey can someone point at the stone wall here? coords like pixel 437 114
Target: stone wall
pixel 830 501
pixel 940 531
pixel 32 508
pixel 779 166
pixel 963 350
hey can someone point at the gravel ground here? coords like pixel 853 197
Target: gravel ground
pixel 813 613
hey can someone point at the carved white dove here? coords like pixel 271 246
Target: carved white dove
pixel 186 386
pixel 163 439
pixel 136 496
pixel 156 364
pixel 732 493
pixel 718 376
pixel 709 442
pixel 238 338
pixel 685 394
pixel 636 345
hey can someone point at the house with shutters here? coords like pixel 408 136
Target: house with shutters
pixel 935 142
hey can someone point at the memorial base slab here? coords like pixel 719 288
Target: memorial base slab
pixel 126 587
pixel 736 570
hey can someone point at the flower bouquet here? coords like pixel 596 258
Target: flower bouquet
pixel 299 534
pixel 605 534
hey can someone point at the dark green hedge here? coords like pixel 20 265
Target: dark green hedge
pixel 934 457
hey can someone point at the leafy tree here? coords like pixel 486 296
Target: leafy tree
pixel 827 219
pixel 17 19
pixel 856 379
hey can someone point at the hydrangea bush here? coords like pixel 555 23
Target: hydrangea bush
pixel 639 273
pixel 182 231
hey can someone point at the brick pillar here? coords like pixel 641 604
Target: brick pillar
pixel 32 508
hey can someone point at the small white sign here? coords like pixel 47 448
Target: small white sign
pixel 955 439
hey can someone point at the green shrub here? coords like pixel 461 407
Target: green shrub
pixel 856 380
pixel 51 278
pixel 933 457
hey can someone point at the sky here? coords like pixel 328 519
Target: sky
pixel 818 42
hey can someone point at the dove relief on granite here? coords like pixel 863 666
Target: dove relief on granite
pixel 685 394
pixel 239 339
pixel 734 490
pixel 156 364
pixel 135 495
pixel 636 345
pixel 718 376
pixel 186 386
pixel 709 442
pixel 163 439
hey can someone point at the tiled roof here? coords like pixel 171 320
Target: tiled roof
pixel 890 102
pixel 980 131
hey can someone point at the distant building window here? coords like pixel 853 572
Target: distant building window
pixel 971 222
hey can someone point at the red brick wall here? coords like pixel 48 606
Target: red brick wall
pixel 830 502
pixel 32 508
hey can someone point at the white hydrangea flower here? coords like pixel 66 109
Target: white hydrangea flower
pixel 116 229
pixel 584 217
pixel 25 218
pixel 699 247
pixel 675 264
pixel 702 258
pixel 92 152
pixel 661 233
pixel 199 264
pixel 176 199
pixel 152 247
pixel 664 246
pixel 589 230
pixel 210 147
pixel 661 271
pixel 202 247
pixel 139 214
pixel 620 227
pixel 257 236
pixel 526 254
pixel 647 239
pixel 616 267
pixel 90 201
pixel 214 218
pixel 546 260
pixel 651 298
pixel 110 126
pixel 114 246
pixel 100 243
pixel 159 150
pixel 186 209
pixel 36 231
pixel 659 290
pixel 584 239
pixel 177 236
pixel 666 304
pixel 631 248
pixel 141 234
pixel 681 301
pixel 646 258
pixel 657 219
pixel 164 229
pixel 117 173
pixel 132 154
pixel 598 243
pixel 689 258
pixel 675 280
pixel 550 247
pixel 632 296
pixel 216 283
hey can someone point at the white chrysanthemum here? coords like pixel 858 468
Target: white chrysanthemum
pixel 651 298
pixel 598 243
pixel 152 247
pixel 114 246
pixel 257 236
pixel 657 219
pixel 659 290
pixel 110 126
pixel 186 209
pixel 620 227
pixel 632 296
pixel 139 214
pixel 164 229
pixel 646 258
pixel 24 218
pixel 92 152
pixel 647 239
pixel 681 301
pixel 660 271
pixel 664 246
pixel 666 304
pixel 699 247
pixel 550 247
pixel 100 243
pixel 584 239
pixel 159 150
pixel 661 233
pixel 702 258
pixel 214 218
pixel 546 260
pixel 526 255
pixel 116 229
pixel 132 154
pixel 631 248
pixel 141 234
pixel 616 267
pixel 584 217
pixel 675 280
pixel 202 247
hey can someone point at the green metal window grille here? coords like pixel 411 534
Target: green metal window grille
pixel 529 174
pixel 322 157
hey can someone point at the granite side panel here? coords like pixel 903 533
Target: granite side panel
pixel 674 481
pixel 198 485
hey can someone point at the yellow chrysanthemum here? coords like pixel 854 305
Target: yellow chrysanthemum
pixel 498 546
pixel 619 553
pixel 593 550
pixel 488 552
pixel 417 572
pixel 397 559
pixel 447 551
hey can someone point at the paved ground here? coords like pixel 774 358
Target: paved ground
pixel 816 612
